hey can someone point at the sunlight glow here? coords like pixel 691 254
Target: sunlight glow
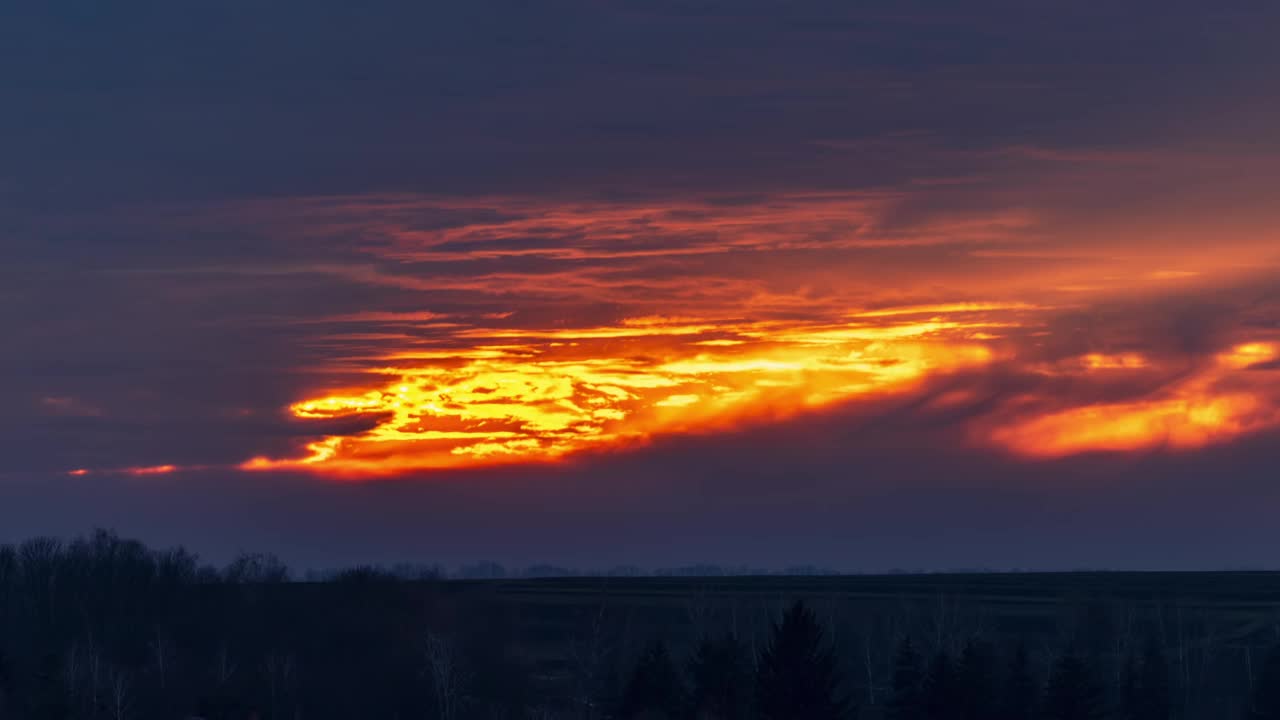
pixel 151 470
pixel 604 387
pixel 1216 403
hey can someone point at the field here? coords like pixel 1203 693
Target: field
pixel 1215 627
pixel 107 617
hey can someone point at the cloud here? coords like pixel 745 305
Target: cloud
pixel 67 407
pixel 747 313
pixel 867 489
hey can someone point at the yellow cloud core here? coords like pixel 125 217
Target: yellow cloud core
pixel 542 394
pixel 501 395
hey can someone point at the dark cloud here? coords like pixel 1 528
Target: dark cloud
pixel 864 493
pixel 238 98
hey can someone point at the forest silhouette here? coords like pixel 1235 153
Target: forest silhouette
pixel 105 628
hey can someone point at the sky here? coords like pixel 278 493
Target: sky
pixel 867 285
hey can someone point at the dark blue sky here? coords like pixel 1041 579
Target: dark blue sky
pixel 867 285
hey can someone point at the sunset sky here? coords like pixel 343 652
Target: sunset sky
pixel 864 285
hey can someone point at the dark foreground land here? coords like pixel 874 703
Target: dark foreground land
pixel 104 628
pixel 1215 630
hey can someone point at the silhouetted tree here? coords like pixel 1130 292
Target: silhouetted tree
pixel 1020 695
pixel 1072 692
pixel 448 678
pixel 975 677
pixel 1265 703
pixel 941 689
pixel 906 701
pixel 365 574
pixel 654 689
pixel 797 678
pixel 101 627
pixel 256 568
pixel 721 680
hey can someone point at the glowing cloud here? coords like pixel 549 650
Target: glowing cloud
pixel 1219 402
pixel 151 470
pixel 558 392
pixel 540 328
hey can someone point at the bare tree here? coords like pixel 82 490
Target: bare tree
pixel 86 676
pixel 447 676
pixel 944 623
pixel 589 654
pixel 869 667
pixel 1123 644
pixel 879 637
pixel 119 686
pixel 161 655
pixel 280 668
pixel 699 608
pixel 223 666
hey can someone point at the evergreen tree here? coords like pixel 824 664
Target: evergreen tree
pixel 907 699
pixel 654 689
pixel 941 689
pixel 798 678
pixel 1265 703
pixel 1020 696
pixel 1073 693
pixel 721 687
pixel 975 676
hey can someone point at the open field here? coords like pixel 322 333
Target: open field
pixel 1215 627
pixel 1246 602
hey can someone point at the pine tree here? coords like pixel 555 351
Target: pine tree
pixel 1265 703
pixel 907 699
pixel 798 678
pixel 654 689
pixel 1020 697
pixel 721 680
pixel 975 677
pixel 941 689
pixel 1072 693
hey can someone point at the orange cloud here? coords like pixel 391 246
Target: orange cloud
pixel 150 470
pixel 579 325
pixel 135 471
pixel 1220 402
pixel 68 407
pixel 598 388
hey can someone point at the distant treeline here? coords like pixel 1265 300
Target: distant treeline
pixel 104 628
pixel 497 571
